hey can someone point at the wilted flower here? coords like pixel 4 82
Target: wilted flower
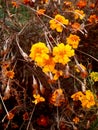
pixel 43 120
pixel 82 69
pixel 38 99
pixel 62 53
pixel 57 23
pixel 73 40
pixel 57 98
pixel 25 116
pixel 10 116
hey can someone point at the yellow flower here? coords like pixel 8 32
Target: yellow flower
pixel 39 53
pixel 73 40
pixel 79 14
pixel 94 76
pixel 76 120
pixel 38 50
pixel 38 99
pixel 57 97
pixel 48 64
pixel 77 96
pixel 58 22
pixel 87 98
pixel 62 53
pixel 57 74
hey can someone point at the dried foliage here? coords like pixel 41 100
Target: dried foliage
pixel 48 64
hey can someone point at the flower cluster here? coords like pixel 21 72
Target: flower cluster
pixel 41 55
pixel 58 22
pixel 87 98
pixel 94 76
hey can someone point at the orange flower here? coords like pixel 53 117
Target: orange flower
pixel 92 5
pixel 26 1
pixel 10 116
pixel 81 3
pixel 73 40
pixel 38 99
pixel 41 11
pixel 57 97
pixel 76 120
pixel 10 74
pixel 93 18
pixel 44 1
pixel 43 121
pixel 76 26
pixel 14 4
pixel 25 116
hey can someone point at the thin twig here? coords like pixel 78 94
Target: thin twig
pixel 58 125
pixel 88 55
pixel 4 107
pixel 30 119
pixel 82 84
